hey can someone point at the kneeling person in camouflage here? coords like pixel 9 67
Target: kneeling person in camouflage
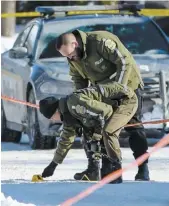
pixel 92 107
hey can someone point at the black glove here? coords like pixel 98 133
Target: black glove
pixel 48 106
pixel 49 170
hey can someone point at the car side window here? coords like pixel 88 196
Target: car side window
pixel 22 37
pixel 30 41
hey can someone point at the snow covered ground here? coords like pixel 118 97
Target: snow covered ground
pixel 19 163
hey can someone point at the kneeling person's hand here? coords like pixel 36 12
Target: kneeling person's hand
pixel 49 170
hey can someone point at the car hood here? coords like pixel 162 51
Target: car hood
pixel 57 68
pixel 152 63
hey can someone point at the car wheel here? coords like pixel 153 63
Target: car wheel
pixel 8 135
pixel 36 139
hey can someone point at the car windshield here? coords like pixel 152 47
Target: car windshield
pixel 139 38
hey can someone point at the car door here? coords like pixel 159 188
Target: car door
pixel 15 75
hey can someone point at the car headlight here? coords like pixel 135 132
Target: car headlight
pixel 49 88
pixel 56 88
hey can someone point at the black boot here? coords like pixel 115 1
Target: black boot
pixel 143 173
pixel 92 173
pixel 109 167
pixel 105 166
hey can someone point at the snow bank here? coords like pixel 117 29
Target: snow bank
pixel 7 42
pixel 10 202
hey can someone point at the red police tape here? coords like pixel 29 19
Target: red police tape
pixel 11 99
pixel 114 175
pixel 56 118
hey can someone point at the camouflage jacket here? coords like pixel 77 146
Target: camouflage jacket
pixel 105 59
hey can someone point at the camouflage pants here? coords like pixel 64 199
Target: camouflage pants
pixel 89 107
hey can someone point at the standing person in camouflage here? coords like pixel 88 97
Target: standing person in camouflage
pixel 100 57
pixel 92 108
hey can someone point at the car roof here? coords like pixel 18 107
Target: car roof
pixel 113 18
pixel 97 18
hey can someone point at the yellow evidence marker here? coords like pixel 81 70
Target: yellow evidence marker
pixel 37 178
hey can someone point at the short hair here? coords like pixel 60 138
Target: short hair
pixel 63 39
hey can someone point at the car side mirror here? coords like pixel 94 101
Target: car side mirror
pixel 18 52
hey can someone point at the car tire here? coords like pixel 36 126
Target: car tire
pixel 36 139
pixel 8 135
